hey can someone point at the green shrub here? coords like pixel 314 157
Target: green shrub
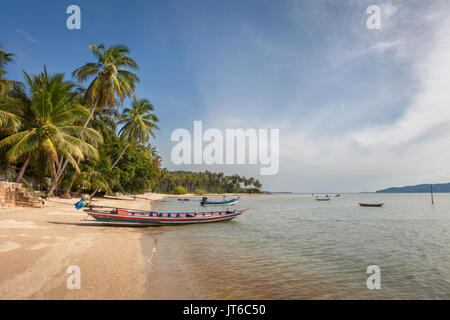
pixel 179 190
pixel 200 191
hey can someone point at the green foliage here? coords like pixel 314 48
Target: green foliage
pixel 135 171
pixel 210 182
pixel 51 122
pixel 111 80
pixel 200 191
pixel 179 190
pixel 48 116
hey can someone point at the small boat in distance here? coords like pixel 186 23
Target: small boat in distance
pixel 371 204
pixel 230 202
pixel 322 199
pixel 184 199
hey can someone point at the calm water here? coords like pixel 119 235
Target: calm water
pixel 293 247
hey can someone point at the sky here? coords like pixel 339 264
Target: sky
pixel 358 109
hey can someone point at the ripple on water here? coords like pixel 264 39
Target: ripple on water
pixel 291 247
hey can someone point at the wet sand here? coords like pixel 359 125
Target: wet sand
pixel 38 245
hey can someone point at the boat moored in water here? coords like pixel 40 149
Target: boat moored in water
pixel 133 217
pixel 377 205
pixel 205 201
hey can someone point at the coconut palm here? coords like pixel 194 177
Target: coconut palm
pixel 5 57
pixel 50 128
pixel 89 179
pixel 138 125
pixel 111 83
pixel 6 85
pixel 9 121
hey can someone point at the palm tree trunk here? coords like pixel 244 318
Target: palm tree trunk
pixel 120 156
pixel 93 193
pixel 54 176
pixel 71 184
pixel 63 167
pixel 60 164
pixel 23 168
pixel 91 114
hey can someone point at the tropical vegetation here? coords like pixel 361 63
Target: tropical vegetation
pixel 69 137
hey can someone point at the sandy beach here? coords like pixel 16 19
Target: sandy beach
pixel 38 245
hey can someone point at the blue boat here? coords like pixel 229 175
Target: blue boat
pixel 130 217
pixel 205 202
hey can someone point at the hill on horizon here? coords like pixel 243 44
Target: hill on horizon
pixel 420 188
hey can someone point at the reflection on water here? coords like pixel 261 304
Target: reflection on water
pixel 293 247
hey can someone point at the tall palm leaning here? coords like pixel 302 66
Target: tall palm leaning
pixel 111 83
pixel 51 130
pixel 138 125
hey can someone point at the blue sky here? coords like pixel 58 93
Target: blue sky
pixel 357 109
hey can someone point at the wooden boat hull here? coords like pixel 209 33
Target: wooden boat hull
pixel 157 218
pixel 374 205
pixel 231 202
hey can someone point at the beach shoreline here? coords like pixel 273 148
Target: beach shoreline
pixel 38 245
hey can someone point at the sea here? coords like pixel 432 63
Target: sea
pixel 294 247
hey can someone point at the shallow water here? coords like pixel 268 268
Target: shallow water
pixel 293 247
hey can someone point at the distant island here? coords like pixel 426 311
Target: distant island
pixel 420 188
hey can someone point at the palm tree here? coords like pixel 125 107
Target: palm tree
pixel 257 184
pixel 6 85
pixel 5 57
pixel 9 121
pixel 50 129
pixel 138 125
pixel 89 179
pixel 111 80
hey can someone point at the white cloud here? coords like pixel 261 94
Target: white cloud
pixel 27 36
pixel 333 147
pixel 430 106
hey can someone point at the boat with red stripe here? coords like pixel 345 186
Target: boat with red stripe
pixel 135 217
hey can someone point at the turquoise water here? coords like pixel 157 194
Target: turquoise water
pixel 293 247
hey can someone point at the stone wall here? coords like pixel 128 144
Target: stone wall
pixel 16 195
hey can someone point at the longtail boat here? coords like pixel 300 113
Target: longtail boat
pixel 205 202
pixel 322 199
pixel 184 199
pixel 134 217
pixel 371 204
